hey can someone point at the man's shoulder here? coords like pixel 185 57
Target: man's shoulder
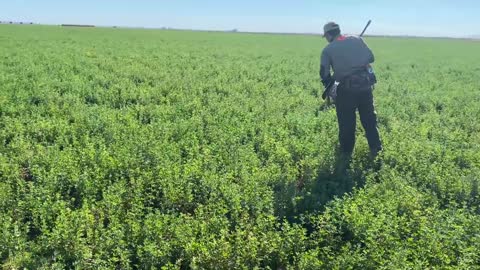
pixel 347 42
pixel 353 37
pixel 344 39
pixel 327 48
pixel 356 39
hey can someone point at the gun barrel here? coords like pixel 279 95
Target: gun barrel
pixel 366 26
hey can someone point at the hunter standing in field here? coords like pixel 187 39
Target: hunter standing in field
pixel 350 59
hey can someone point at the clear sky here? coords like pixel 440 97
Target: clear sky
pixel 457 18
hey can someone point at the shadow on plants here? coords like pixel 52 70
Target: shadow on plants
pixel 294 202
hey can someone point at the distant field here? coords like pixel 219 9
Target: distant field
pixel 143 149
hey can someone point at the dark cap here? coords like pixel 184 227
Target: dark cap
pixel 329 27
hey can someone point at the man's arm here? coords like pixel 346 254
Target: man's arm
pixel 371 57
pixel 325 64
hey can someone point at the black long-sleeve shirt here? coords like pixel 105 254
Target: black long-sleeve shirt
pixel 344 55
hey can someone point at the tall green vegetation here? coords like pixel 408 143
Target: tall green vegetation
pixel 145 149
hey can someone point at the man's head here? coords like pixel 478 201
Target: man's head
pixel 330 31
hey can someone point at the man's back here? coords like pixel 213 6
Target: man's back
pixel 346 55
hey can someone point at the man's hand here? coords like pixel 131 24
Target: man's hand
pixel 328 86
pixel 327 81
pixel 325 76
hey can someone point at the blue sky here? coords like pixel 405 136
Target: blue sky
pixel 457 18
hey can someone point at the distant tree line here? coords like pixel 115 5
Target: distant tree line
pixel 77 25
pixel 12 22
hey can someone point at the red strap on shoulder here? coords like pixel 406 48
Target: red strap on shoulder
pixel 341 38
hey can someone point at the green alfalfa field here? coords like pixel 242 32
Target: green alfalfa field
pixel 150 149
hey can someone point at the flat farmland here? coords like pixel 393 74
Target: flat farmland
pixel 150 149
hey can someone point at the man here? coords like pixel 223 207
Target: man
pixel 350 59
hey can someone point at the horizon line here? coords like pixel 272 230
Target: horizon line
pixel 235 30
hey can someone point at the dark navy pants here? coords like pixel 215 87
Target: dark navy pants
pixel 347 103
